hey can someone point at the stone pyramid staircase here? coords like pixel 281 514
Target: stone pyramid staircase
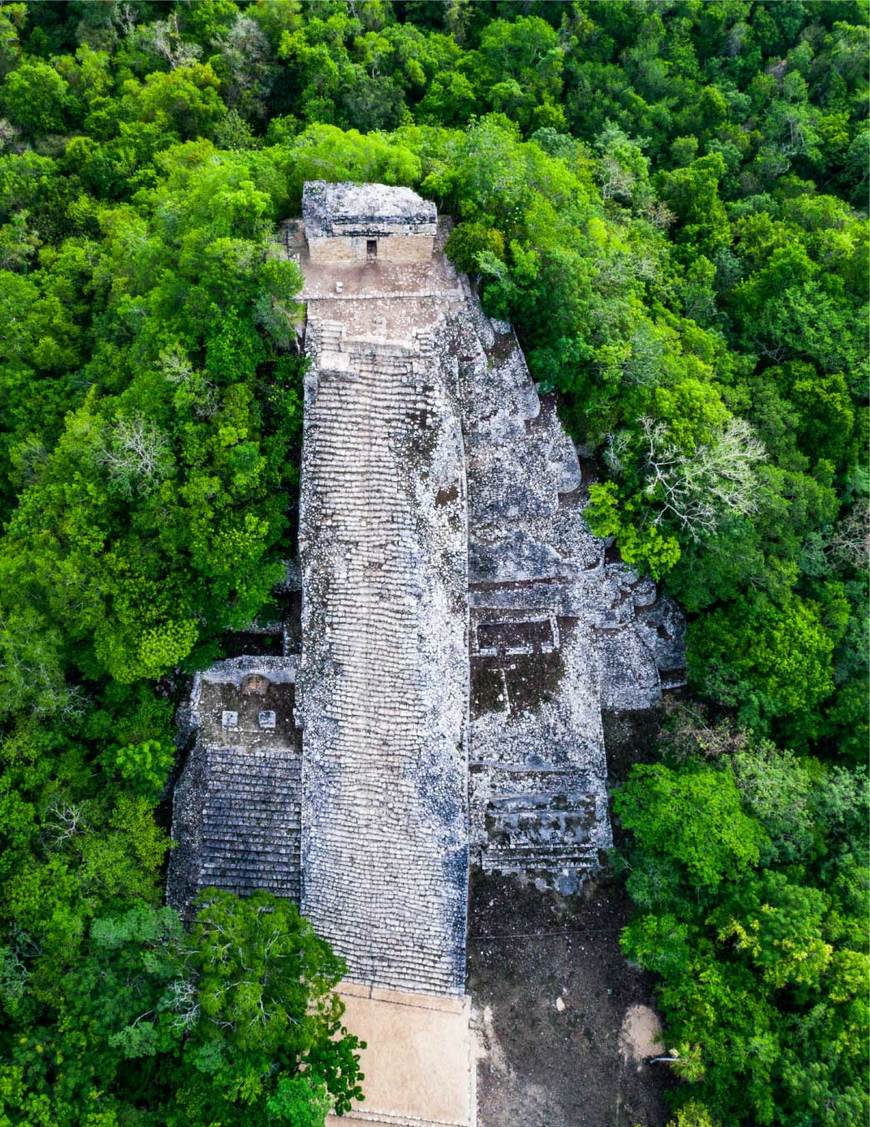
pixel 251 821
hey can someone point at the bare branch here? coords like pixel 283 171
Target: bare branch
pixel 849 544
pixel 699 488
pixel 63 822
pixel 136 454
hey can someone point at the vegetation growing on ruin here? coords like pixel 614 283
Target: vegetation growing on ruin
pixel 668 200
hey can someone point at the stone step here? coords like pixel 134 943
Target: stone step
pixel 250 873
pixel 269 791
pixel 251 820
pixel 538 858
pixel 253 837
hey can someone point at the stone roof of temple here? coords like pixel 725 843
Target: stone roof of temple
pixel 329 210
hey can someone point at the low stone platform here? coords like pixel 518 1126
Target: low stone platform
pixel 419 1065
pixel 237 808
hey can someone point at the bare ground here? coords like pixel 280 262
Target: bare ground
pixel 553 1000
pixel 565 1024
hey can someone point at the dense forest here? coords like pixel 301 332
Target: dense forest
pixel 668 199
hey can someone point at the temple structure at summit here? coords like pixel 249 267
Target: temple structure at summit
pixel 461 629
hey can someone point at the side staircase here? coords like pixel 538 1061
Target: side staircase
pixel 540 832
pixel 251 821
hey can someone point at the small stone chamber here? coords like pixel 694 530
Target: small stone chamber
pixel 345 223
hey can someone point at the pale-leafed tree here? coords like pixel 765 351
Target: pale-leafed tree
pixel 164 39
pixel 849 544
pixel 617 181
pixel 136 454
pixel 251 65
pixel 31 673
pixel 125 18
pixel 8 132
pixel 175 365
pixel 659 214
pixel 623 170
pixel 178 370
pixel 699 488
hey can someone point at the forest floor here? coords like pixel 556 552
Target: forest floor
pixel 564 1023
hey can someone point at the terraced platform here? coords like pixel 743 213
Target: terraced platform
pixel 237 810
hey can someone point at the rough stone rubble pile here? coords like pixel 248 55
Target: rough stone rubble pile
pixel 461 631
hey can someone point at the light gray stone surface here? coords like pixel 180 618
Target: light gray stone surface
pixel 462 629
pixel 383 677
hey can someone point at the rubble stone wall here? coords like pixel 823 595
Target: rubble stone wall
pixel 558 632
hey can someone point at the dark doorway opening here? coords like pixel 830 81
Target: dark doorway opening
pixel 371 248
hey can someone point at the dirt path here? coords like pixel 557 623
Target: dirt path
pixel 563 1020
